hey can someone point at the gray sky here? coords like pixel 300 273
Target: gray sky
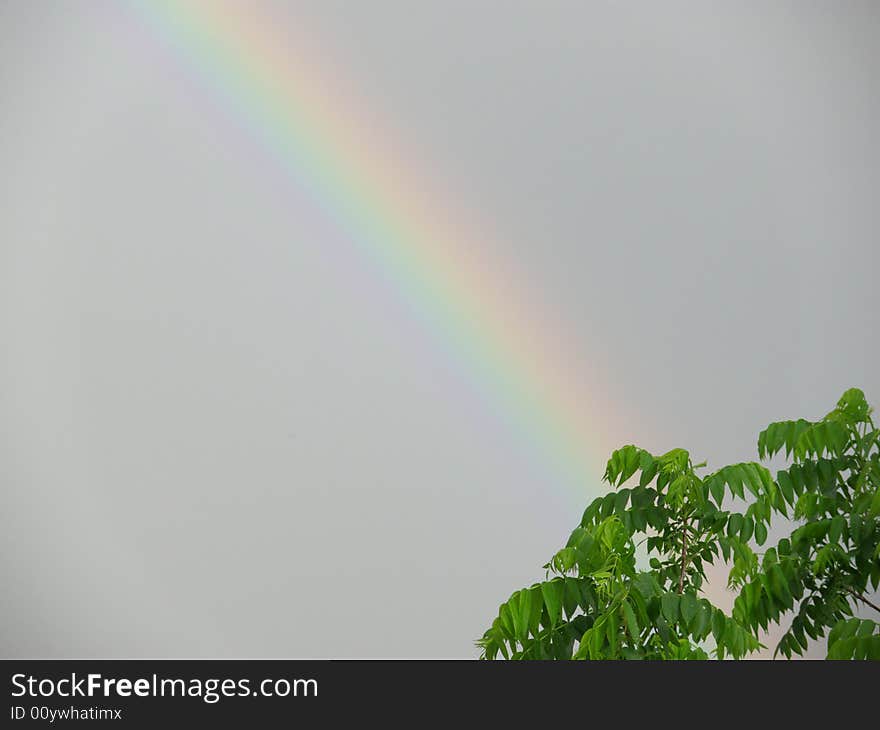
pixel 223 433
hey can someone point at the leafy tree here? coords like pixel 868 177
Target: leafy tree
pixel 598 605
pixel 595 603
pixel 822 571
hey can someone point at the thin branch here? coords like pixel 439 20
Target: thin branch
pixel 684 542
pixel 863 599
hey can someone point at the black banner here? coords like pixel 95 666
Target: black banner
pixel 147 693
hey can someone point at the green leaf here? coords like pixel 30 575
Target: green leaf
pixel 785 485
pixel 835 531
pixel 622 465
pixel 751 478
pixel 688 607
pixel 620 502
pixel 734 477
pixel 553 593
pixel 612 631
pixel 630 617
pixel 632 457
pixel 536 605
pixel 674 462
pixel 648 466
pixel 853 404
pixel 564 560
pixel 760 533
pixel 779 585
pixel 584 645
pixel 770 440
pixel 811 475
pixel 875 505
pixel 718 624
pixel 747 529
pixel 703 619
pixel 519 626
pixel 608 505
pixel 506 615
pixel 572 597
pixel 669 607
pixel 716 487
pixel 827 475
pixel 795 473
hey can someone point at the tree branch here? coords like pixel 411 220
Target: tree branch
pixel 861 598
pixel 684 542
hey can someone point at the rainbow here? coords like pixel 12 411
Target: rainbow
pixel 309 123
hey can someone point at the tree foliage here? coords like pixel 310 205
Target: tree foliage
pixel 596 603
pixel 831 560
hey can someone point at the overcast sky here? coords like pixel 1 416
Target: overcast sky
pixel 224 433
